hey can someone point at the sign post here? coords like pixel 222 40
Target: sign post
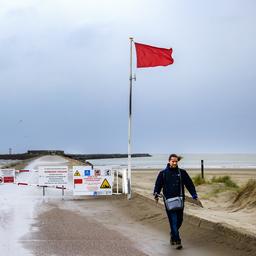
pixel 53 176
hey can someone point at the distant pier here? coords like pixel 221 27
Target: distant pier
pixel 82 157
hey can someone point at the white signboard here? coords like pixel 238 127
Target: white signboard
pixel 96 181
pixel 7 175
pixel 53 175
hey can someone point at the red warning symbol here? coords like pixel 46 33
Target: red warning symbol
pixel 78 181
pixel 9 179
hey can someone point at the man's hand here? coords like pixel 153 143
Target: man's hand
pixel 195 197
pixel 156 197
pixel 196 200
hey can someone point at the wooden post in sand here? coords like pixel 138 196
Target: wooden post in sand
pixel 202 169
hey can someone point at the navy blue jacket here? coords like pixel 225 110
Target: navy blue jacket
pixel 169 180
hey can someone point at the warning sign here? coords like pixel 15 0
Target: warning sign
pixel 8 179
pixel 7 175
pixel 78 181
pixel 77 173
pixel 105 184
pixel 53 175
pixel 92 181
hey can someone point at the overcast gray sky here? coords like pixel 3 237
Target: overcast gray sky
pixel 64 76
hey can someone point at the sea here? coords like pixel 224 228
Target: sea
pixel 211 161
pixel 159 161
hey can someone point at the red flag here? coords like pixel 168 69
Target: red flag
pixel 151 56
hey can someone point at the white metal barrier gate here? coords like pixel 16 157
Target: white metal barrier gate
pixel 120 174
pixel 119 182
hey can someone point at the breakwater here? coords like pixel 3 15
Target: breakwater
pixel 82 157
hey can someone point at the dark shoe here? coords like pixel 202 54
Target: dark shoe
pixel 172 242
pixel 178 245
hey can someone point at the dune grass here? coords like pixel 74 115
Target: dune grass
pixel 198 180
pixel 226 180
pixel 251 184
pixel 217 185
pixel 247 190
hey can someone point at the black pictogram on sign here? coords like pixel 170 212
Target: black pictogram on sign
pixel 105 184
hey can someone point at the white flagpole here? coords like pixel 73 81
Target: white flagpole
pixel 130 127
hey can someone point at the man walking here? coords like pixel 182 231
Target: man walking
pixel 172 180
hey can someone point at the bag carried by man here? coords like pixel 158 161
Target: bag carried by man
pixel 175 203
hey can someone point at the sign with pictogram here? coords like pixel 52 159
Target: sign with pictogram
pixel 7 175
pixel 105 184
pixel 92 181
pixel 78 181
pixel 53 175
pixel 9 179
pixel 87 172
pixel 77 173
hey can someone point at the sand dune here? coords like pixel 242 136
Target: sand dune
pixel 246 198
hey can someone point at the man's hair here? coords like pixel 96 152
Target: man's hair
pixel 174 155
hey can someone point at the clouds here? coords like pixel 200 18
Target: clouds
pixel 64 68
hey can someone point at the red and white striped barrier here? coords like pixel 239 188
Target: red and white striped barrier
pixel 58 187
pixel 42 186
pixel 23 171
pixel 22 184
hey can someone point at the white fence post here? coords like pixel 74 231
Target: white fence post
pixel 124 182
pixel 117 171
pixel 124 177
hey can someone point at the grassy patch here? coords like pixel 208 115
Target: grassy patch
pixel 198 180
pixel 218 190
pixel 217 185
pixel 225 180
pixel 247 189
pixel 246 196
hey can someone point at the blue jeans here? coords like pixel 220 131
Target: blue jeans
pixel 175 220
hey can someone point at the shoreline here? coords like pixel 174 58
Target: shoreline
pixel 197 169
